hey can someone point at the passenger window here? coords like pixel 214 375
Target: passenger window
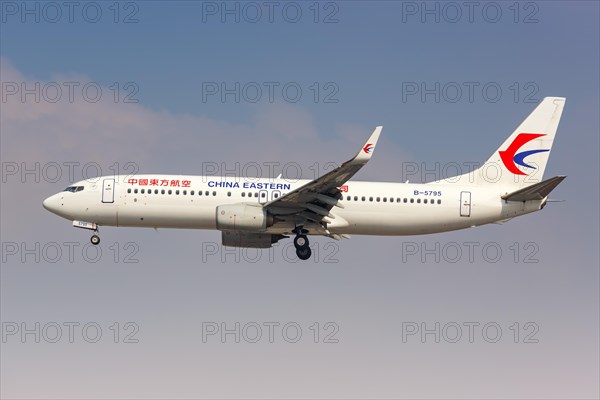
pixel 207 193
pixel 419 201
pixel 263 194
pixel 177 192
pixel 363 198
pixel 355 198
pixel 425 201
pixel 276 195
pixel 143 190
pixel 214 193
pixel 192 193
pixel 349 198
pixel 405 200
pixel 243 194
pixel 170 191
pixel 378 199
pixel 412 200
pixel 256 194
pixel 162 191
pixel 439 201
pixel 155 191
pixel 129 190
pixel 135 191
pixel 185 192
pixel 370 198
pixel 228 194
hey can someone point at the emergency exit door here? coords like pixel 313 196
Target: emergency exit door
pixel 465 204
pixel 108 191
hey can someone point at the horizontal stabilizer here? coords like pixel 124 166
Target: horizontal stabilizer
pixel 537 191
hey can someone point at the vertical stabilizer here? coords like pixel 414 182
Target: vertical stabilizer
pixel 521 159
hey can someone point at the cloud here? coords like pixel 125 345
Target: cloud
pixel 109 131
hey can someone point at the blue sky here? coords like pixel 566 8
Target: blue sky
pixel 361 66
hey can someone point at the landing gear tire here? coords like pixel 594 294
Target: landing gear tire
pixel 95 239
pixel 303 253
pixel 301 242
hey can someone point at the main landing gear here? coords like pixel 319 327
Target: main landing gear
pixel 301 244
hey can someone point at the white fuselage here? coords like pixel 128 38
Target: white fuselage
pixel 368 208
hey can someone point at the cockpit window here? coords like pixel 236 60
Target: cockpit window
pixel 74 189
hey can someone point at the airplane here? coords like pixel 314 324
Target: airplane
pixel 258 212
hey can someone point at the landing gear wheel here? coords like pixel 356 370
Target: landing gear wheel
pixel 301 242
pixel 95 239
pixel 304 253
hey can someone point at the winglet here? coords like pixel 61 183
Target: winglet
pixel 367 150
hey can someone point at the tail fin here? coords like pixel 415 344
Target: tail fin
pixel 522 158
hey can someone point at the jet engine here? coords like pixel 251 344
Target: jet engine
pixel 243 217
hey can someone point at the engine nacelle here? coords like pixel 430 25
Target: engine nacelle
pixel 252 240
pixel 242 217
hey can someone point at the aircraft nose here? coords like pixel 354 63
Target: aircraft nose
pixel 51 204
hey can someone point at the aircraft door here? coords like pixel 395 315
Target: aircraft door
pixel 108 190
pixel 465 204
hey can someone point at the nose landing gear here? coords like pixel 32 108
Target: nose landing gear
pixel 95 239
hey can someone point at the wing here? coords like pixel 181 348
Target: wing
pixel 313 201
